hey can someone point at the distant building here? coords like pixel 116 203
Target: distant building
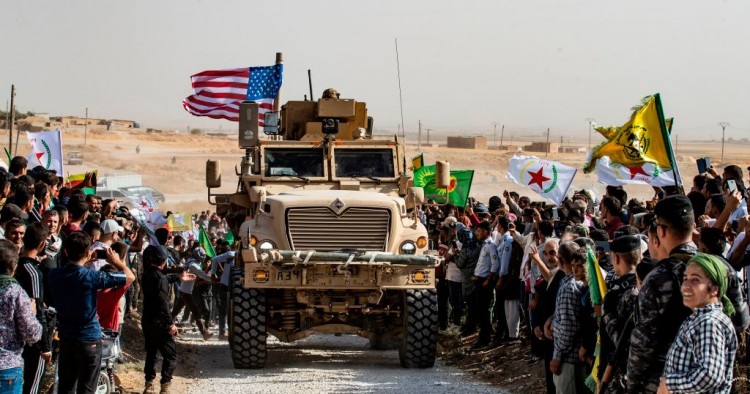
pixel 571 149
pixel 467 142
pixel 545 147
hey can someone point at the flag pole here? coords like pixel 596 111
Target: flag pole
pixel 668 143
pixel 277 99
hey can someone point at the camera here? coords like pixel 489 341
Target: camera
pixel 330 126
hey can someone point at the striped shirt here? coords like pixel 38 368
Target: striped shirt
pixel 701 358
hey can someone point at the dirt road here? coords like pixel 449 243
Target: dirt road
pixel 321 364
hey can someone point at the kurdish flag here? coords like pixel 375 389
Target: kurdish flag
pixel 616 174
pixel 548 178
pixel 457 192
pixel 46 150
pixel 73 181
pixel 205 243
pixel 642 139
pixel 180 222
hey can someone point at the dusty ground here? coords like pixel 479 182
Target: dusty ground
pixel 318 364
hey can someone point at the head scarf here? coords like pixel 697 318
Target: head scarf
pixel 717 272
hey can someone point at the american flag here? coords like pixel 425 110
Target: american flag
pixel 218 93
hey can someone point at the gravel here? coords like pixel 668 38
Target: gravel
pixel 322 364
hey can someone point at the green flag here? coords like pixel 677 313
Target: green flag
pixel 457 192
pixel 205 243
pixel 229 238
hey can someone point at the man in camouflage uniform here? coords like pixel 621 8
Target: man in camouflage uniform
pixel 617 309
pixel 660 308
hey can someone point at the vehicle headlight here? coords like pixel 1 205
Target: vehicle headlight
pixel 265 246
pixel 408 247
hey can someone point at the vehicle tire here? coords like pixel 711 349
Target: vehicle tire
pixel 247 324
pixel 419 342
pixel 103 383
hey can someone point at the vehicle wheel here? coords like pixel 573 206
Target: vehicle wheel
pixel 419 342
pixel 247 324
pixel 102 383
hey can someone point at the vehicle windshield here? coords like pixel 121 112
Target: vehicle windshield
pixel 367 163
pixel 295 162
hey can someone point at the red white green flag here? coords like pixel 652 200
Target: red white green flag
pixel 548 178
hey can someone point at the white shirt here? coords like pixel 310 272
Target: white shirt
pixel 223 258
pixel 193 268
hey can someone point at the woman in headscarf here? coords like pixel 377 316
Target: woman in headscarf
pixel 701 358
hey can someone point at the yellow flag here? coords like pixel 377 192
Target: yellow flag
pixel 180 222
pixel 640 140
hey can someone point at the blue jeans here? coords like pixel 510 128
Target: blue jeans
pixel 11 381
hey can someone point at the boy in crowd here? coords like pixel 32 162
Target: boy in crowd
pixel 158 327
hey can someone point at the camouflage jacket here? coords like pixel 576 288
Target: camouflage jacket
pixel 659 314
pixel 618 305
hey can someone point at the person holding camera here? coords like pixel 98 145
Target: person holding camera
pixel 74 292
pixel 109 234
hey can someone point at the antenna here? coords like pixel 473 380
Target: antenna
pixel 309 81
pixel 400 97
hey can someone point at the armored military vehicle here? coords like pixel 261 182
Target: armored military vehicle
pixel 331 239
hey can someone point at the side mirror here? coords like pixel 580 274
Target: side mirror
pixel 213 174
pixel 442 174
pixel 417 195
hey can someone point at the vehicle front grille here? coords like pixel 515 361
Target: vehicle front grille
pixel 320 229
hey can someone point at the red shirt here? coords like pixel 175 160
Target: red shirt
pixel 106 307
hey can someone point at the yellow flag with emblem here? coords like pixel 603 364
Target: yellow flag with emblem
pixel 643 139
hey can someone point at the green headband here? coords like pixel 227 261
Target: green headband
pixel 717 272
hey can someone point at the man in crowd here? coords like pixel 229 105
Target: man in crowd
pixel 617 309
pixel 14 232
pixel 222 265
pixel 157 323
pixel 29 276
pixel 485 280
pixel 74 291
pixel 660 306
pixel 611 209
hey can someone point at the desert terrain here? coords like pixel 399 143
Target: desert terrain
pixel 114 152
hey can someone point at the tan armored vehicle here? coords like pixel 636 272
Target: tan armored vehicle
pixel 331 238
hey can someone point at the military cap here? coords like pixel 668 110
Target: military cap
pixel 625 244
pixel 673 208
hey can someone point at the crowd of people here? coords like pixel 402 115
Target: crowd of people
pixel 73 267
pixel 664 312
pixel 612 294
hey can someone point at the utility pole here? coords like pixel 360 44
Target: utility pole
pixel 428 135
pixel 724 126
pixel 546 151
pixel 494 134
pixel 590 121
pixel 12 118
pixel 86 127
pixel 502 131
pixel 419 137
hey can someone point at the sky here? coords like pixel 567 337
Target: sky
pixel 526 64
